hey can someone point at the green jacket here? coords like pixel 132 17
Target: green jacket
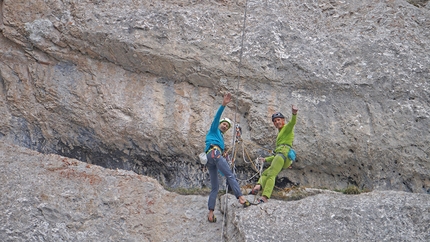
pixel 284 140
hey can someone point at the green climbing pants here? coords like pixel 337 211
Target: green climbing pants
pixel 268 177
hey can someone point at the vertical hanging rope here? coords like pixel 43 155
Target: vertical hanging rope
pixel 235 117
pixel 238 77
pixel 240 66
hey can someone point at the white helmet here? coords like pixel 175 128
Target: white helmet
pixel 226 120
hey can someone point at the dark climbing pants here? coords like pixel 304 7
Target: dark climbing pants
pixel 217 162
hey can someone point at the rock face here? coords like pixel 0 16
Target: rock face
pixel 376 216
pixel 135 84
pixel 54 198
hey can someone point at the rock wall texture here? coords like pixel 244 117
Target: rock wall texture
pixel 134 85
pixel 55 198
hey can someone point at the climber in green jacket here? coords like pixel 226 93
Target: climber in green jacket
pixel 284 142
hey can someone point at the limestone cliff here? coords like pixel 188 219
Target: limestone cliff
pixel 55 198
pixel 134 85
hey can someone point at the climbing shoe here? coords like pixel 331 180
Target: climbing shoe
pixel 254 192
pixel 246 204
pixel 213 219
pixel 262 200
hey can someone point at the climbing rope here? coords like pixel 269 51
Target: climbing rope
pixel 235 114
pixel 240 145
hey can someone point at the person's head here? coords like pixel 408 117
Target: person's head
pixel 224 125
pixel 278 120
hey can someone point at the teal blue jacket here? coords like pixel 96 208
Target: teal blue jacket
pixel 214 136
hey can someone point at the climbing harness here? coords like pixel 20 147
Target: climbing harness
pixel 213 147
pixel 291 153
pixel 282 155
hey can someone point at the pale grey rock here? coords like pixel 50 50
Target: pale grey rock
pixel 375 216
pixel 134 85
pixel 54 198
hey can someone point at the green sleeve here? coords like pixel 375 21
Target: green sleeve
pixel 286 135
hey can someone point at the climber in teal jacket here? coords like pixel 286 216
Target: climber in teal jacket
pixel 214 150
pixel 279 161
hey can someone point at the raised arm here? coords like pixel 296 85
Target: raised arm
pixel 227 99
pixel 294 109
